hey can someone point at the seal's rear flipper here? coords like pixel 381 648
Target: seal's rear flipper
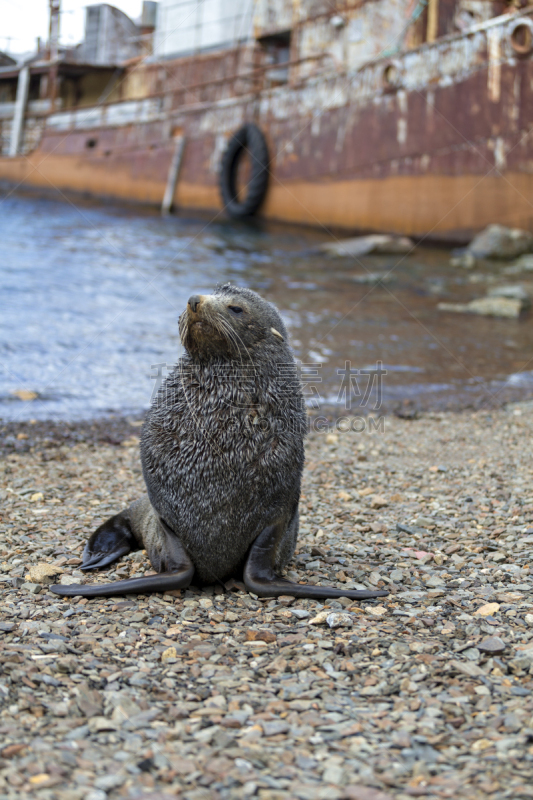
pixel 261 579
pixel 162 582
pixel 109 542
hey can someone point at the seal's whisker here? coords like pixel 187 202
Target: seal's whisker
pixel 235 337
pixel 232 335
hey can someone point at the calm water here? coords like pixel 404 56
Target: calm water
pixel 90 298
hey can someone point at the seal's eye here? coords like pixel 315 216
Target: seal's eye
pixel 235 309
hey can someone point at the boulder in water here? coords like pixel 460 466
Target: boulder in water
pixel 509 307
pixel 364 245
pixel 498 241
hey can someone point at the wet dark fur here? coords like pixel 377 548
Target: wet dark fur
pixel 215 477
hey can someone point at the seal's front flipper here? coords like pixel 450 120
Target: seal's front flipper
pixel 109 542
pixel 261 579
pixel 166 553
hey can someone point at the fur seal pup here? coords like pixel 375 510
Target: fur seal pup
pixel 222 451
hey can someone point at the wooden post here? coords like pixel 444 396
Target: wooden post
pixel 17 129
pixel 173 173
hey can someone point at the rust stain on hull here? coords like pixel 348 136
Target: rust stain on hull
pixel 443 147
pixel 413 204
pixel 417 205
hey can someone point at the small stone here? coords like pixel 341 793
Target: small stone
pixel 481 744
pixel 493 644
pixel 424 522
pixel 364 792
pixel 434 581
pixel 32 588
pixel 262 636
pixel 218 701
pixel 232 721
pixel 464 261
pixel 99 724
pixel 37 497
pixel 468 668
pixel 398 649
pixel 67 664
pixel 300 613
pixel 108 782
pixel 332 438
pixel 68 580
pixel 170 652
pixel 396 575
pixel 81 732
pixel 320 619
pixel 125 710
pixel 333 774
pixel 374 578
pixel 38 780
pixel 205 735
pixel 339 619
pixel 43 573
pixel 275 727
pixel 529 619
pixel 12 750
pixel 6 627
pixel 286 599
pixel 377 611
pixel 96 794
pixel 379 502
pixel 488 609
pixel 89 701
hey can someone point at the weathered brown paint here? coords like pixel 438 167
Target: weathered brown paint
pixel 354 151
pixel 443 206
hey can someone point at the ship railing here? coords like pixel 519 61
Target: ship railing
pixel 137 109
pixel 386 69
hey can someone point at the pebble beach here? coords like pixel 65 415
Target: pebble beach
pixel 213 694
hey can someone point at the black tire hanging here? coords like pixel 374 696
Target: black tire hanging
pixel 250 140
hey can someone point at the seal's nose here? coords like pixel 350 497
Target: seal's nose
pixel 194 302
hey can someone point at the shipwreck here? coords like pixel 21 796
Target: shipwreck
pixel 407 116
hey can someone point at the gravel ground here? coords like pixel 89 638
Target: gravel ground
pixel 217 694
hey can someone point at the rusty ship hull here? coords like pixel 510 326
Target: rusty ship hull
pixel 437 141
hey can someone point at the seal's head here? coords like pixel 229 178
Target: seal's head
pixel 231 323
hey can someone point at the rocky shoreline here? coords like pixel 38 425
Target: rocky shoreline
pixel 217 694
